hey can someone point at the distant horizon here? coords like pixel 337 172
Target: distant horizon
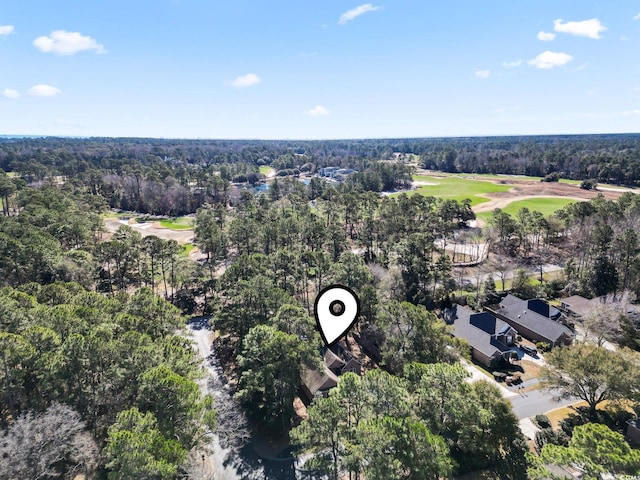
pixel 216 139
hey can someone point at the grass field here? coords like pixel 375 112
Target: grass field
pixel 186 249
pixel 266 170
pixel 534 279
pixel 178 223
pixel 505 177
pixel 546 206
pixel 111 214
pixel 457 188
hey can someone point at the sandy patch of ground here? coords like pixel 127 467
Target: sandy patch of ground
pixel 619 189
pixel 149 228
pixel 420 183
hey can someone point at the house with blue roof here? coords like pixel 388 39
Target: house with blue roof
pixel 535 320
pixel 492 340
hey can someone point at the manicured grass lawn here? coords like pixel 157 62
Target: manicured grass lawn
pixel 186 249
pixel 544 205
pixel 178 223
pixel 457 188
pixel 534 279
pixel 505 177
pixel 112 214
pixel 559 414
pixel 265 169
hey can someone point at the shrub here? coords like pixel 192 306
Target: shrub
pixel 615 417
pixel 590 184
pixel 542 421
pixel 549 435
pixel 552 177
pixel 471 300
pixel 570 422
pixel 240 178
pixel 543 346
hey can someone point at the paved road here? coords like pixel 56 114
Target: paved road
pixel 536 402
pixel 546 268
pixel 218 464
pixel 524 405
pixel 224 463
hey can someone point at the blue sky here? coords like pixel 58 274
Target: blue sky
pixel 318 68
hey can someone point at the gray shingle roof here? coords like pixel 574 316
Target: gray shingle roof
pixel 517 310
pixel 319 381
pixel 577 305
pixel 478 328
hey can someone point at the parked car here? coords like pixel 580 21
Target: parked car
pixel 499 376
pixel 530 350
pixel 513 379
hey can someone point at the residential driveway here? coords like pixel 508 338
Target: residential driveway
pixel 538 358
pixel 477 375
pixel 536 402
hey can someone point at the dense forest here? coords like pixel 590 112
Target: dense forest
pixel 91 322
pixel 175 177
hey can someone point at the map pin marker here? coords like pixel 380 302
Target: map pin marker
pixel 336 310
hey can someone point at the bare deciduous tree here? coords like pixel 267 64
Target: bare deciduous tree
pixel 232 425
pixel 196 467
pixel 503 267
pixel 42 445
pixel 603 321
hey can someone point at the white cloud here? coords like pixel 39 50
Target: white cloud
pixel 43 90
pixel 632 112
pixel 549 59
pixel 637 17
pixel 6 30
pixel 513 64
pixel 482 73
pixel 10 93
pixel 546 36
pixel 637 89
pixel 356 12
pixel 243 81
pixel 62 42
pixel 317 111
pixel 586 28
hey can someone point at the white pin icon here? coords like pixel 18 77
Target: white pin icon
pixel 336 310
